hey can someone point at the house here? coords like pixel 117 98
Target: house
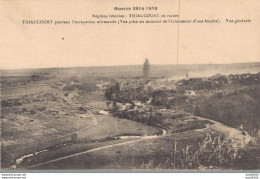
pixel 128 105
pixel 103 112
pixel 149 101
pixel 190 93
pixel 137 103
pixel 123 107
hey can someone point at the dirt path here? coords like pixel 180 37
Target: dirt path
pixel 93 117
pixel 237 137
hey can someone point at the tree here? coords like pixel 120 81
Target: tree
pixel 159 98
pixel 108 103
pixel 146 69
pixel 112 92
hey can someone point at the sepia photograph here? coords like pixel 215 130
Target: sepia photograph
pixel 132 117
pixel 130 86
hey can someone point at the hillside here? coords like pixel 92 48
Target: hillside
pixel 235 109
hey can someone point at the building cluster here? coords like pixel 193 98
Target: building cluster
pixel 218 81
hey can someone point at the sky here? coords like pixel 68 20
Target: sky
pixel 44 46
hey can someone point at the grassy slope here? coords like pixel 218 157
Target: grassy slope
pixel 235 109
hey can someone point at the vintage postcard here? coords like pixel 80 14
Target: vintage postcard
pixel 130 85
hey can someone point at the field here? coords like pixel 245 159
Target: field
pixel 129 156
pixel 38 115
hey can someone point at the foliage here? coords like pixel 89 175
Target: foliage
pixel 112 92
pixel 240 107
pixel 146 117
pixel 213 153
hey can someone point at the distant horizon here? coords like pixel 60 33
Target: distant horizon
pixel 127 65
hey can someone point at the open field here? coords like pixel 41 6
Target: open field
pixel 38 116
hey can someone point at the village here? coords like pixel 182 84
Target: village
pixel 157 102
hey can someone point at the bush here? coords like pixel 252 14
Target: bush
pixel 159 98
pixel 5 103
pixel 213 153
